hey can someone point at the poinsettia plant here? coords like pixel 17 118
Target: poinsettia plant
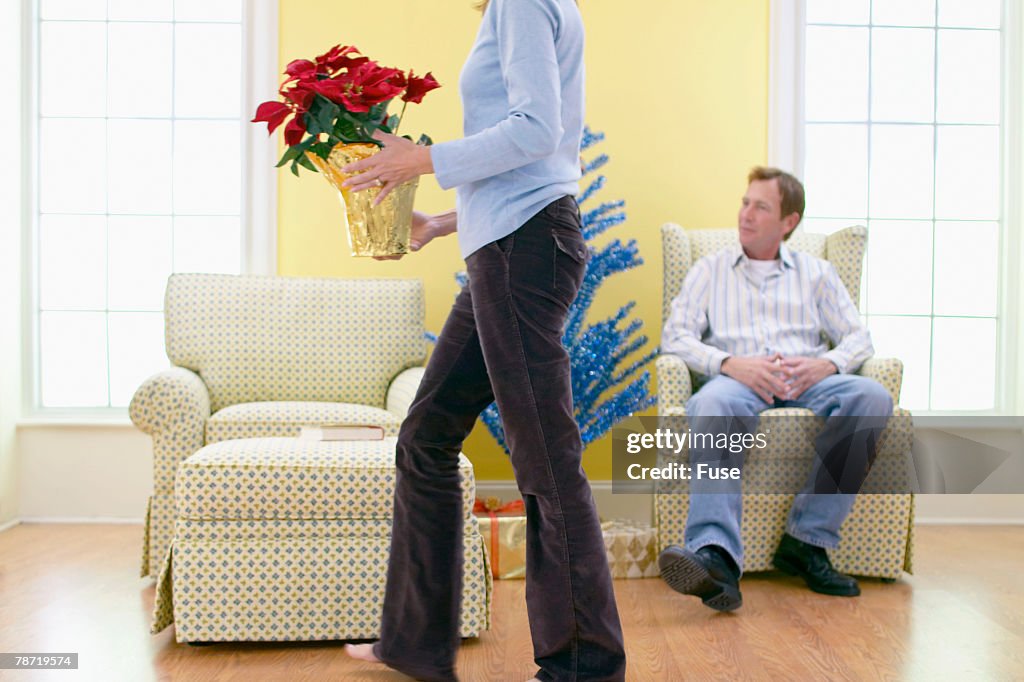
pixel 340 97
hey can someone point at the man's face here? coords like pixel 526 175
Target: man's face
pixel 761 223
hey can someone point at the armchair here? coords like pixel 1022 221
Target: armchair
pixel 878 534
pixel 260 356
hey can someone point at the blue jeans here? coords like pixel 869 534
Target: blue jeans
pixel 714 517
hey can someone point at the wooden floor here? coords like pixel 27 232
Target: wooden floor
pixel 72 588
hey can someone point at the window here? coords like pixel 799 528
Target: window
pixel 140 171
pixel 903 130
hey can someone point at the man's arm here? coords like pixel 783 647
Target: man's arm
pixel 842 324
pixel 687 322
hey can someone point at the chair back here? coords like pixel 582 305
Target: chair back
pixel 682 248
pixel 254 338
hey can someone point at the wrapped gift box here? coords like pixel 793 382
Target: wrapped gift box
pixel 632 549
pixel 631 546
pixel 504 531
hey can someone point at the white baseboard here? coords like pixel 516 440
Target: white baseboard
pixel 965 521
pixel 10 524
pixel 110 520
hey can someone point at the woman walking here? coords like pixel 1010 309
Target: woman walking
pixel 516 172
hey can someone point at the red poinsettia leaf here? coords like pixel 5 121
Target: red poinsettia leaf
pixel 294 131
pixel 339 57
pixel 301 95
pixel 300 69
pixel 273 113
pixel 418 87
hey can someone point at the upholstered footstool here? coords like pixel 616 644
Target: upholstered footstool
pixel 287 539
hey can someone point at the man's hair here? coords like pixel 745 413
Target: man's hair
pixel 791 189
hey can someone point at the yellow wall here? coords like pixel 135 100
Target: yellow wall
pixel 679 87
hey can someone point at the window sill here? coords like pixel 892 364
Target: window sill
pixel 945 420
pixel 68 420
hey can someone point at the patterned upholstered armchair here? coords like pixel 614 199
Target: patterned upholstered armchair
pixel 877 536
pixel 260 356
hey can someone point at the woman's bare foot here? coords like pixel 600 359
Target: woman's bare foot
pixel 362 652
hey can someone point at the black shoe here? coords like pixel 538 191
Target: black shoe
pixel 705 573
pixel 812 564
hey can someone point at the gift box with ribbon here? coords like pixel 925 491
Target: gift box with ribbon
pixel 632 549
pixel 504 529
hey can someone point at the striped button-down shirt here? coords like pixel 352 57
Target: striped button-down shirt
pixel 722 310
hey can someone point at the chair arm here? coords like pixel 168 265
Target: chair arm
pixel 886 371
pixel 175 399
pixel 674 384
pixel 402 391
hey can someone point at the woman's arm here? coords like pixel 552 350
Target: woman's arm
pixel 425 228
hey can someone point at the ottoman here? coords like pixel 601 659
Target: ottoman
pixel 286 539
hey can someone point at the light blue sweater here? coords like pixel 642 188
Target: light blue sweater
pixel 522 98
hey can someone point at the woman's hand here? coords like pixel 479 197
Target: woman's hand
pixel 424 229
pixel 398 161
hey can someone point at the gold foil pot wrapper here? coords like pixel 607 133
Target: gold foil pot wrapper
pixel 372 230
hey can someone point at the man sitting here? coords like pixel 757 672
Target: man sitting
pixel 754 319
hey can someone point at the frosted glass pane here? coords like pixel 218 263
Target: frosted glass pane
pixel 201 51
pixel 903 12
pixel 72 166
pixel 836 86
pixel 900 267
pixel 903 75
pixel 828 225
pixel 837 11
pixel 836 170
pixel 205 244
pixel 968 176
pixel 969 77
pixel 966 268
pixel 207 167
pixel 901 171
pixel 208 10
pixel 73 69
pixel 971 13
pixel 140 10
pixel 140 262
pixel 140 87
pixel 964 368
pixel 72 262
pixel 73 359
pixel 906 338
pixel 73 9
pixel 136 352
pixel 140 166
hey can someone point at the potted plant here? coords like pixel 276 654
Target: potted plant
pixel 330 108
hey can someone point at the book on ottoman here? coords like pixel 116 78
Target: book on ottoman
pixel 631 547
pixel 342 432
pixel 504 531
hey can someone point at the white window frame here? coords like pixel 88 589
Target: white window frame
pixel 786 147
pixel 259 193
